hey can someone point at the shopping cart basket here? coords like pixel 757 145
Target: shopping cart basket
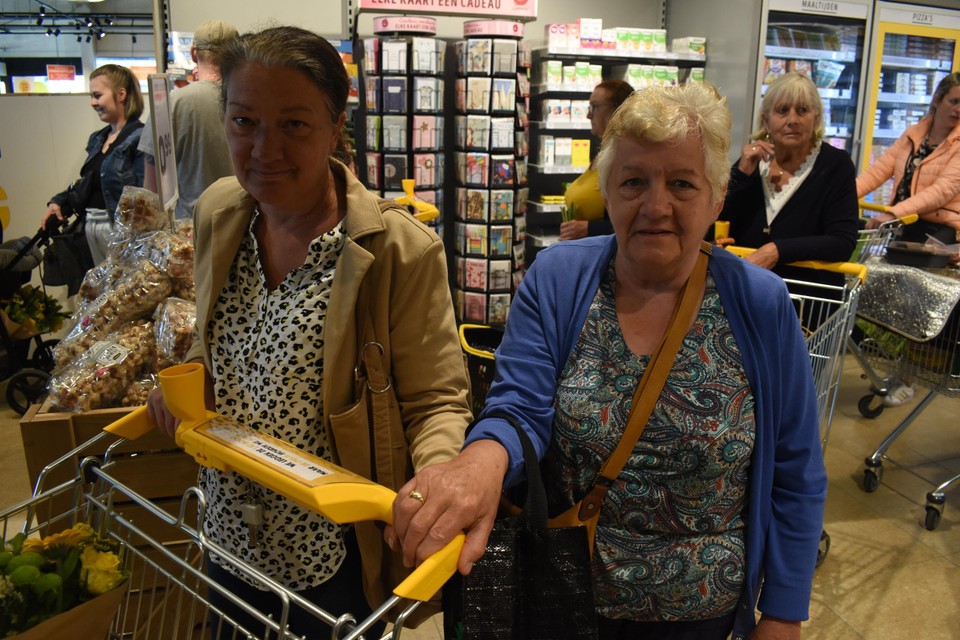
pixel 169 593
pixel 913 336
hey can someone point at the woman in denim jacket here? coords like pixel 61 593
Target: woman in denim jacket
pixel 113 160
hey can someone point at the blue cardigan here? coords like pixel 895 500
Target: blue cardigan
pixel 788 481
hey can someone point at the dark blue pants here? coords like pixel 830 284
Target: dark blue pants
pixel 710 629
pixel 343 593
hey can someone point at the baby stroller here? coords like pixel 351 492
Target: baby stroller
pixel 27 360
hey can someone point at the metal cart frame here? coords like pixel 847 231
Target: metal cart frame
pixel 168 592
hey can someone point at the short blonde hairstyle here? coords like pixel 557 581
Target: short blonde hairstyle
pixel 670 115
pixel 791 90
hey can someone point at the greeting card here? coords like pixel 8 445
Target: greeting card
pixel 394 171
pixel 425 55
pixel 475 236
pixel 460 131
pixel 501 204
pixel 504 94
pixel 520 201
pixel 519 231
pixel 478 57
pixel 504 57
pixel 373 170
pixel 394 134
pixel 371 55
pixel 425 169
pixel 394 92
pixel 502 170
pixel 477 209
pixel 474 307
pixel 427 94
pixel 393 56
pixel 498 275
pixel 522 145
pixel 501 133
pixel 478 94
pixel 501 240
pixel 460 158
pixel 427 132
pixel 477 169
pixel 478 132
pixel 499 307
pixel 371 85
pixel 460 94
pixel 373 132
pixel 475 273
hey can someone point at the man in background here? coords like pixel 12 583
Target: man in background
pixel 199 143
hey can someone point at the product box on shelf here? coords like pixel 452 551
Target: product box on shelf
pixel 591 32
pixel 556 35
pixel 689 44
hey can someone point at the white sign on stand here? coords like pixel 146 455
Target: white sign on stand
pixel 164 157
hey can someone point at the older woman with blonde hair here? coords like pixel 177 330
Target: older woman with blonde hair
pixel 791 196
pixel 719 506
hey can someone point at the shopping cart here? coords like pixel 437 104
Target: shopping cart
pixel 912 337
pixel 169 594
pixel 872 244
pixel 827 311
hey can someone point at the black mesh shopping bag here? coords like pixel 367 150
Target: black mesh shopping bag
pixel 532 583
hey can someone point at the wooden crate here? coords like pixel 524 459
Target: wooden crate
pixel 152 465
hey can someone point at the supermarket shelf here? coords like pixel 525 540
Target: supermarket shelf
pixel 580 126
pixel 617 55
pixel 810 54
pixel 539 207
pixel 826 94
pixel 887 134
pixel 916 63
pixel 900 98
pixel 557 169
pixel 552 87
pixel 836 132
pixel 542 241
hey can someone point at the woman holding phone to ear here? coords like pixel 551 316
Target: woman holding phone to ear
pixel 791 196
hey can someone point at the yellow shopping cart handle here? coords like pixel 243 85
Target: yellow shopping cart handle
pixel 312 482
pixel 425 212
pixel 465 342
pixel 910 218
pixel 847 268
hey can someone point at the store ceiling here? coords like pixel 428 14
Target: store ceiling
pixel 66 17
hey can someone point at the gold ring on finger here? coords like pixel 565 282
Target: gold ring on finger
pixel 416 495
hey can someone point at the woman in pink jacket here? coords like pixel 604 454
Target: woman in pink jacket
pixel 925 165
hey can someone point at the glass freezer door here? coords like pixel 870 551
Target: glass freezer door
pixel 914 50
pixel 828 48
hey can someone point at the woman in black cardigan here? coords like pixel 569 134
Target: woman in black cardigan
pixel 791 196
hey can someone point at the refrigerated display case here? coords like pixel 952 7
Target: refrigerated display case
pixel 913 49
pixel 824 41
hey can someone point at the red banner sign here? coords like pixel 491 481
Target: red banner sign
pixel 61 72
pixel 500 8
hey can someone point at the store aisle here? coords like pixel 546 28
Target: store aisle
pixel 886 577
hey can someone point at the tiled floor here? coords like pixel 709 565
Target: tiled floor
pixel 886 577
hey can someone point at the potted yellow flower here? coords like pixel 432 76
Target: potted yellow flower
pixel 64 585
pixel 30 311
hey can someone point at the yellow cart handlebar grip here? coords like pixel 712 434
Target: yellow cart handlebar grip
pixel 910 218
pixel 847 268
pixel 316 484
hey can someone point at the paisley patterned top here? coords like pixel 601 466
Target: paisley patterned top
pixel 670 541
pixel 267 358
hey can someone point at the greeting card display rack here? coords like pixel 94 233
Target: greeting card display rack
pixel 491 145
pixel 403 91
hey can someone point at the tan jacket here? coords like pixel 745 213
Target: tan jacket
pixel 412 315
